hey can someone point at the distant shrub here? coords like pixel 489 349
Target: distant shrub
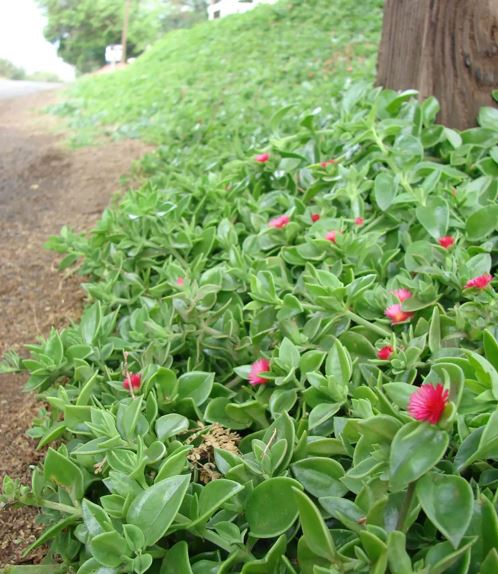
pixel 11 72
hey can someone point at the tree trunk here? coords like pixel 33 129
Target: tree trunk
pixel 443 48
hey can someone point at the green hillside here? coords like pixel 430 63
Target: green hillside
pixel 222 80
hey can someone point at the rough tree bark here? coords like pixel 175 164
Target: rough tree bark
pixel 444 48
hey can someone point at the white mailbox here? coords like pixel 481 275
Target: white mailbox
pixel 113 53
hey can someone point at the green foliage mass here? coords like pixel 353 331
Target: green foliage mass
pixel 328 470
pixel 216 85
pixel 82 29
pixel 11 72
pixel 321 468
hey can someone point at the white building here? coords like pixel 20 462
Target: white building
pixel 221 8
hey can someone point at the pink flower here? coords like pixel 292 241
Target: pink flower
pixel 279 222
pixel 397 315
pixel 132 381
pixel 331 236
pixel 446 241
pixel 315 217
pixel 385 353
pixel 258 367
pixel 402 294
pixel 359 220
pixel 262 157
pixel 480 282
pixel 180 281
pixel 427 403
pixel 326 163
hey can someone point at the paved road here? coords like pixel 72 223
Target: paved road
pixel 15 88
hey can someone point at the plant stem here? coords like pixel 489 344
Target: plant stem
pixel 360 321
pixel 61 507
pixel 378 141
pixel 407 502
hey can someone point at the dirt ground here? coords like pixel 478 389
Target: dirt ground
pixel 43 186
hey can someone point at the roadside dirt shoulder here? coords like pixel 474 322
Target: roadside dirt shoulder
pixel 43 186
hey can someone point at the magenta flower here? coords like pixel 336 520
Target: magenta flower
pixel 315 217
pixel 385 353
pixel 279 222
pixel 132 381
pixel 331 236
pixel 180 281
pixel 402 294
pixel 446 241
pixel 262 157
pixel 359 220
pixel 397 315
pixel 480 282
pixel 258 367
pixel 427 403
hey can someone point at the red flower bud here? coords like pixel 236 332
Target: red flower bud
pixel 385 353
pixel 446 241
pixel 133 381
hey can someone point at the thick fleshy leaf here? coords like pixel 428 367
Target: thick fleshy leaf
pixel 482 222
pixel 489 524
pixel 214 495
pixel 195 385
pixel 315 531
pixel 170 425
pixel 490 564
pixel 270 562
pixel 434 216
pixel 61 470
pixel 415 449
pixel 177 560
pixel 155 509
pixel 441 557
pixel 385 190
pixel 397 555
pixel 275 494
pixel 108 548
pixel 344 510
pixel 447 501
pixel 320 476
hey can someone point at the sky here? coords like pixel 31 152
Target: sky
pixel 22 41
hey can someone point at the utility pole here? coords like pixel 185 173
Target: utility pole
pixel 124 34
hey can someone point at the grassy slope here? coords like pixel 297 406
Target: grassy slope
pixel 223 80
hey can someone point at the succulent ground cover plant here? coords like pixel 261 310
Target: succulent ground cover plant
pixel 289 366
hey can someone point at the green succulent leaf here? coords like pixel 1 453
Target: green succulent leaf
pixel 154 509
pixel 416 449
pixel 447 501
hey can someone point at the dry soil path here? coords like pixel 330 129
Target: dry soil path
pixel 43 186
